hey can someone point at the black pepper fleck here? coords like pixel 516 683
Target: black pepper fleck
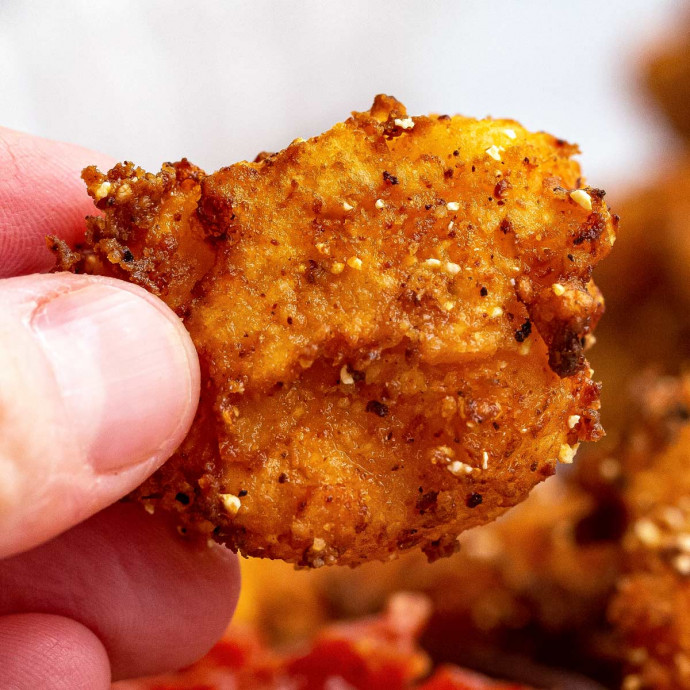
pixel 474 500
pixel 523 332
pixel 377 408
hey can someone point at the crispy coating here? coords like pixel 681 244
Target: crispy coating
pixel 646 281
pixel 612 541
pixel 533 586
pixel 390 319
pixel 650 611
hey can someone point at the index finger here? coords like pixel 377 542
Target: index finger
pixel 41 193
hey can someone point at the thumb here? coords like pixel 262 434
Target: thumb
pixel 99 383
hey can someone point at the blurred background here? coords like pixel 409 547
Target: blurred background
pixel 221 80
pixel 545 586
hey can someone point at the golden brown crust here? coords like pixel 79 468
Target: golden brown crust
pixel 646 281
pixel 390 319
pixel 534 583
pixel 651 609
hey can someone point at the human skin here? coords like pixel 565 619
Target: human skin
pixel 90 589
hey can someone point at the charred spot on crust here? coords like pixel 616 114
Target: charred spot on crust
pixel 182 498
pixel 591 229
pixel 566 354
pixel 524 331
pixel 444 547
pixel 214 209
pixel 563 321
pixel 263 156
pixel 378 408
pixel 426 502
pixel 474 500
pixel 501 187
pixel 65 258
pixel 391 179
pixel 127 256
pixel 408 538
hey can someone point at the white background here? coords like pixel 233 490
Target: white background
pixel 216 81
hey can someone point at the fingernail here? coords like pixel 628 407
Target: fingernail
pixel 125 371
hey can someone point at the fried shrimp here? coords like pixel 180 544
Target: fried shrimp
pixel 667 74
pixel 650 611
pixel 390 319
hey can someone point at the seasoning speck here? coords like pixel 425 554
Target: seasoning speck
pixel 453 206
pixel 474 500
pixel 457 468
pixel 495 152
pixel 523 332
pixel 231 502
pixel 102 190
pixel 377 408
pixel 580 197
pixel 345 376
pixel 318 544
pixel 566 454
pixel 404 123
pixel 379 203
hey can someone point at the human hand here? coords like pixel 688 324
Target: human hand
pixel 99 383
